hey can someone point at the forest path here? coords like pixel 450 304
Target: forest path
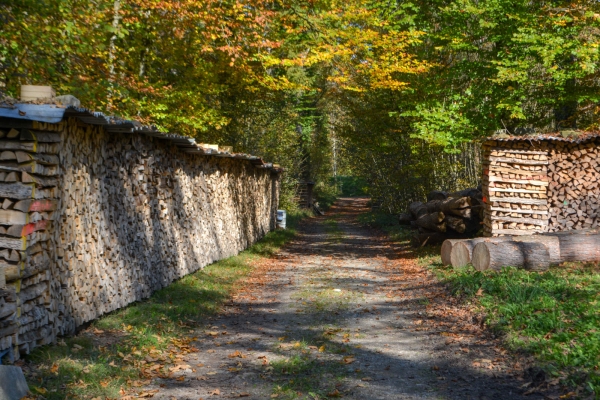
pixel 342 312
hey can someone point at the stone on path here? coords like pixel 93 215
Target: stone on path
pixel 12 383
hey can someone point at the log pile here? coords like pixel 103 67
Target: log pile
pixel 574 195
pixel 29 175
pixel 515 188
pixel 444 215
pixel 532 252
pixel 91 221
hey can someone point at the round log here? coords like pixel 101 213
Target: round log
pixel 433 222
pixel 437 195
pixel 461 253
pixel 418 209
pixel 532 256
pixel 455 223
pixel 447 249
pixel 579 247
pixel 551 242
pixel 405 218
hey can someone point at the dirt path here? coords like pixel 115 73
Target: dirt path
pixel 342 313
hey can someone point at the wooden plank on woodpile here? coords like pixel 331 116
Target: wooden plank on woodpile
pixel 492 168
pixel 17 191
pixel 40 136
pixel 518 161
pixel 518 200
pixel 533 182
pixel 28 229
pixel 516 210
pixel 11 217
pixel 532 221
pixel 40 181
pixel 514 232
pixel 49 159
pixel 516 151
pixel 35 205
pixel 13 243
pixel 511 190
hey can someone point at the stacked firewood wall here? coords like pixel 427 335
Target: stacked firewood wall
pixel 574 193
pixel 29 174
pixel 137 213
pixel 515 188
pixel 92 221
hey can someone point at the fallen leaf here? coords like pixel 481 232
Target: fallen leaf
pixel 349 360
pixel 322 349
pixel 335 393
pixel 235 354
pixel 215 392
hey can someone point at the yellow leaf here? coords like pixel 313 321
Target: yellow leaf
pixel 322 349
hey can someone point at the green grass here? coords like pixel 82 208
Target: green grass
pixel 100 365
pixel 554 316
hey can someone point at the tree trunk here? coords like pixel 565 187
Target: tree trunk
pixel 532 256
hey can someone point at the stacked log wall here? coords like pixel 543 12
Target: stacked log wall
pixel 92 221
pixel 515 187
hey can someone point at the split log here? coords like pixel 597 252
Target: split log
pixel 532 256
pixel 456 224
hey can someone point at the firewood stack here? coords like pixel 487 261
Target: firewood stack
pixel 574 195
pixel 444 215
pixel 515 188
pixel 28 178
pixel 93 220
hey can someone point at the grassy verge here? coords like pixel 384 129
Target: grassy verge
pixel 110 356
pixel 554 316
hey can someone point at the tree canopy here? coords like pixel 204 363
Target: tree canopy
pixel 393 91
